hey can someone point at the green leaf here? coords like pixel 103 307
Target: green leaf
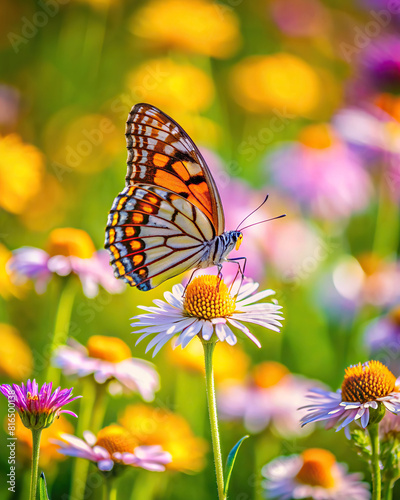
pixel 43 488
pixel 230 462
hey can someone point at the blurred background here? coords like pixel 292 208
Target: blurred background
pixel 296 98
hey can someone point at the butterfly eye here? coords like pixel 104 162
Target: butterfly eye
pixel 239 241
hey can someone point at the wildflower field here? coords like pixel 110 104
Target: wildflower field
pixel 263 132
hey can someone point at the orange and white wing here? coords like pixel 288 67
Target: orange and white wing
pixel 154 234
pixel 161 153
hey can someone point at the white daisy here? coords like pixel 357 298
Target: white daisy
pixel 207 308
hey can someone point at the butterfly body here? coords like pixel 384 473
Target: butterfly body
pixel 169 217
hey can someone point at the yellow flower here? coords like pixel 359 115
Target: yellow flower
pixel 16 361
pixel 172 86
pixel 7 287
pixel 69 242
pixel 48 450
pixel 280 81
pixel 21 170
pixel 152 426
pixel 230 362
pixel 45 210
pixel 199 26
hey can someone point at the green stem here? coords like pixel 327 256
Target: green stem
pixel 373 430
pixel 61 326
pixel 212 410
pixel 388 490
pixel 113 490
pixel 36 435
pixel 99 407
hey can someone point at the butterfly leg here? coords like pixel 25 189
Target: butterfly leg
pixel 239 269
pixel 190 279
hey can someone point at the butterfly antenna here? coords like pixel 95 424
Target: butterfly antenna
pixel 262 221
pixel 251 213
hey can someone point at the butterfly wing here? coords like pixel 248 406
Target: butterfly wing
pixel 154 234
pixel 161 153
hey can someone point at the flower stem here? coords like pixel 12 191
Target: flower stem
pixel 388 490
pixel 110 488
pixel 61 326
pixel 36 435
pixel 113 490
pixel 373 430
pixel 212 410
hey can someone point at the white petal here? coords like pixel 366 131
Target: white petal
pixel 207 330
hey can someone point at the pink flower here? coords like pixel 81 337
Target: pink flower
pixel 109 359
pixel 70 251
pixel 322 174
pixel 101 450
pixel 312 475
pixel 271 397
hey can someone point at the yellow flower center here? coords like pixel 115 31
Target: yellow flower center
pixel 70 242
pixel 208 297
pixel 110 349
pixel 269 373
pixel 367 382
pixel 115 438
pixel 317 468
pixel 318 136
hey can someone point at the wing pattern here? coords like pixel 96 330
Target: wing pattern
pixel 153 234
pixel 162 223
pixel 160 152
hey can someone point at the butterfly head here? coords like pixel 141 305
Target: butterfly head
pixel 239 238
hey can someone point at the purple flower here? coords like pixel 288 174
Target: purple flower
pixel 109 359
pixel 102 449
pixel 378 69
pixel 373 384
pixel 38 408
pixel 322 174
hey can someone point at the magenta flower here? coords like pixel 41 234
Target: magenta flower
pixel 101 450
pixel 38 408
pixel 378 69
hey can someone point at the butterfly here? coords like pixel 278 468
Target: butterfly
pixel 169 218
